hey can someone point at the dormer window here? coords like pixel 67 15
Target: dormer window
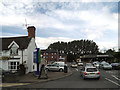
pixel 13 48
pixel 14 51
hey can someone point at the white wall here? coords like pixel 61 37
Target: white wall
pixel 4 64
pixel 30 50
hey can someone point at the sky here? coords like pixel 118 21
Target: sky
pixel 66 21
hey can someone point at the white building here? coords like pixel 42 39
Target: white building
pixel 18 50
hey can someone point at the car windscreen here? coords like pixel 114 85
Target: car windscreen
pixel 91 69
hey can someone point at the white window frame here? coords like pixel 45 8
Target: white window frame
pixel 15 65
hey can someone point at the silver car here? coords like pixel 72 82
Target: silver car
pixel 106 66
pixel 54 67
pixel 90 72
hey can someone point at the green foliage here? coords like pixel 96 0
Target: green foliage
pixel 75 48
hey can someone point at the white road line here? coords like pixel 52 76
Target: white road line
pixel 115 77
pixel 76 69
pixel 112 81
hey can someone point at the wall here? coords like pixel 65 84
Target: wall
pixel 4 64
pixel 30 50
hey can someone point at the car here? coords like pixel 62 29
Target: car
pixel 106 66
pixel 88 64
pixel 101 64
pixel 96 64
pixel 80 64
pixel 74 65
pixel 54 67
pixel 90 72
pixel 115 66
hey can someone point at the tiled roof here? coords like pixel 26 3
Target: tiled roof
pixel 22 41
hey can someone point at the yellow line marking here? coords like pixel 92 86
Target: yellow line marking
pixel 12 84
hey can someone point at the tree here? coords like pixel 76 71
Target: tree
pixel 75 48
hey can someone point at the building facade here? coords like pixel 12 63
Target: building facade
pixel 53 55
pixel 50 55
pixel 18 50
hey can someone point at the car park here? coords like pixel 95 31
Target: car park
pixel 54 67
pixel 90 72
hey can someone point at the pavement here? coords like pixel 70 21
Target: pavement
pixel 31 78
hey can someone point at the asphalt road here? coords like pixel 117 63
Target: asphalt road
pixel 109 79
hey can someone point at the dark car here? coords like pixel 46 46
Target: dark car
pixel 115 66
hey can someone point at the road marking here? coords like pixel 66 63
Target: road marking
pixel 115 77
pixel 76 69
pixel 112 81
pixel 12 84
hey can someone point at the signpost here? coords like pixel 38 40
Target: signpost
pixel 37 59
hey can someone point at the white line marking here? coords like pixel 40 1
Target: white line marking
pixel 115 77
pixel 76 69
pixel 112 81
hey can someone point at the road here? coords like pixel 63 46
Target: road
pixel 109 79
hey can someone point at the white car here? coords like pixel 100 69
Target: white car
pixel 106 66
pixel 90 72
pixel 96 64
pixel 74 65
pixel 80 64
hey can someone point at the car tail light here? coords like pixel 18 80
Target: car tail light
pixel 85 73
pixel 98 72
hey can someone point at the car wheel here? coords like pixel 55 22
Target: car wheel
pixel 61 70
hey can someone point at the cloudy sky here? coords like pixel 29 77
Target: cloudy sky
pixel 62 21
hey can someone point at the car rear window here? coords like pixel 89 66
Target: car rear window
pixel 91 69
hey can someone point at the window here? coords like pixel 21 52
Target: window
pixel 14 50
pixel 46 53
pixel 13 65
pixel 54 53
pixel 51 56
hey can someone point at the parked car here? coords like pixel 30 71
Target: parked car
pixel 54 67
pixel 80 64
pixel 96 64
pixel 89 64
pixel 115 65
pixel 74 65
pixel 106 66
pixel 90 72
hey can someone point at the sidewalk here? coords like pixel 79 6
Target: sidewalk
pixel 31 78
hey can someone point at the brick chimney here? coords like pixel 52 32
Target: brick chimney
pixel 31 31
